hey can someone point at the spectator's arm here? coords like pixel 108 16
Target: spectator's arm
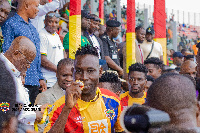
pixel 9 36
pixel 113 65
pixel 47 64
pixel 44 9
pixel 109 61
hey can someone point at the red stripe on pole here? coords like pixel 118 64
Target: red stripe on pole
pixel 159 19
pixel 75 7
pixel 101 9
pixel 130 16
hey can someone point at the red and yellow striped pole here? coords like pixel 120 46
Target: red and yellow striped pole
pixel 74 27
pixel 130 34
pixel 101 11
pixel 160 26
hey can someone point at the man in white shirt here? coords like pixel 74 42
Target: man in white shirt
pixel 17 59
pixel 151 48
pixel 51 48
pixel 44 8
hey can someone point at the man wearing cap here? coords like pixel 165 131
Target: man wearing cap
pixel 177 60
pixel 85 21
pixel 92 38
pixel 151 48
pixel 110 47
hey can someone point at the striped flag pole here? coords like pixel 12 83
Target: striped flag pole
pixel 101 11
pixel 160 26
pixel 130 34
pixel 74 27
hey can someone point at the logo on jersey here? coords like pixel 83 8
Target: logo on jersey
pixel 99 126
pixel 4 106
pixel 110 113
pixel 79 119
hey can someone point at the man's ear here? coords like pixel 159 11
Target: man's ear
pixel 100 71
pixel 160 70
pixel 26 4
pixel 16 52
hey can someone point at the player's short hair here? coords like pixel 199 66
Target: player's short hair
pixel 154 60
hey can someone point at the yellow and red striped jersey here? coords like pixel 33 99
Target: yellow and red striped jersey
pixel 126 100
pixel 101 116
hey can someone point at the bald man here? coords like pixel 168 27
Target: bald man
pixel 175 94
pixel 17 59
pixel 189 67
pixel 19 25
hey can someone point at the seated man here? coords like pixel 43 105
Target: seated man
pixel 175 94
pixel 111 81
pixel 64 79
pixel 51 48
pixel 137 80
pixel 189 67
pixel 154 66
pixel 91 110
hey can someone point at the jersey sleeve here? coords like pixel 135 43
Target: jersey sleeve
pixel 43 44
pixel 118 127
pixel 55 112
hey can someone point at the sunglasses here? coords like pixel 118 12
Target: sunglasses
pixel 54 14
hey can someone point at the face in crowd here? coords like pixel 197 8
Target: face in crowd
pixel 190 68
pixel 87 70
pixel 154 70
pixel 32 8
pixel 94 26
pixel 140 35
pixel 64 76
pixel 149 37
pixel 137 81
pixel 178 61
pixel 4 10
pixel 52 22
pixel 115 31
pixel 85 23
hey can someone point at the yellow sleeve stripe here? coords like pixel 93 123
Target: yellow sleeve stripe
pixel 43 54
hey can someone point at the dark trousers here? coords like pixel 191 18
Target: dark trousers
pixel 33 92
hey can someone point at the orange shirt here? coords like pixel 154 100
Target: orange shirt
pixel 195 49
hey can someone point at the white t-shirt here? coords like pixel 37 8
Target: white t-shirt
pixel 156 52
pixel 95 44
pixel 51 46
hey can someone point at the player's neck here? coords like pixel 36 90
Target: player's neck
pixel 89 96
pixel 138 95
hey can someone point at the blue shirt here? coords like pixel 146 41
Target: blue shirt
pixel 15 27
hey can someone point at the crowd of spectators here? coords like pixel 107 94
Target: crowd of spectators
pixel 88 93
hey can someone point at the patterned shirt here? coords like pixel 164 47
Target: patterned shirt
pixel 101 116
pixel 15 27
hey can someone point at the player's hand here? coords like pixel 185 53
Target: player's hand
pixel 73 93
